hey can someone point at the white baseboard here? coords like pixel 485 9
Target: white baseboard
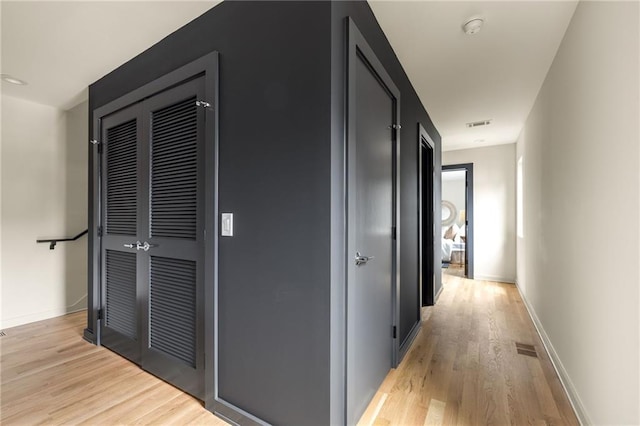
pixel 565 380
pixel 79 305
pixel 494 278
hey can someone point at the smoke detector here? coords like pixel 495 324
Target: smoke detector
pixel 473 26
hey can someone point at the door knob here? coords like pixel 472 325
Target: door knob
pixel 361 260
pixel 145 246
pixel 140 246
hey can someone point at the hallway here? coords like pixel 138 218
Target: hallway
pixel 464 367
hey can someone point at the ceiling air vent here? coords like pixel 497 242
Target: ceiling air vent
pixel 479 123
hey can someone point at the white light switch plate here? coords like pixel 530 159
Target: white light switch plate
pixel 226 228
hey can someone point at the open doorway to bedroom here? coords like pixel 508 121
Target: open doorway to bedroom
pixel 457 219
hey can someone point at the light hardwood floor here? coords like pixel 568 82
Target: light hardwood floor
pixel 462 369
pixel 455 269
pixel 50 375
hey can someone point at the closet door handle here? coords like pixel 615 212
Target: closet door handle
pixel 140 246
pixel 145 246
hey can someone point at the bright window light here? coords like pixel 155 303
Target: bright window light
pixel 520 200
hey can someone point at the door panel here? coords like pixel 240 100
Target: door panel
pixel 172 313
pixel 120 158
pixel 120 300
pixel 174 178
pixel 370 292
pixel 173 279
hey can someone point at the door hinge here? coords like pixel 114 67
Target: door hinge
pixel 395 329
pixel 100 314
pixel 394 232
pixel 204 104
pixel 97 143
pixel 395 128
pixel 99 231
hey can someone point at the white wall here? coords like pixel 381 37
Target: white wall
pixel 1 176
pixel 453 190
pixel 494 202
pixel 578 260
pixel 44 189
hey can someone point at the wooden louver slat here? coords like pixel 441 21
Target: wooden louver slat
pixel 120 310
pixel 174 171
pixel 172 308
pixel 121 187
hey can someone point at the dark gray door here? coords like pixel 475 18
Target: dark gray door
pixel 153 190
pixel 121 158
pixel 369 309
pixel 173 227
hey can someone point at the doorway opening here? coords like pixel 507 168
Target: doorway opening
pixel 426 170
pixel 457 219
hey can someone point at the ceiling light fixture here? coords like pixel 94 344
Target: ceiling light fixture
pixel 473 26
pixel 13 80
pixel 478 141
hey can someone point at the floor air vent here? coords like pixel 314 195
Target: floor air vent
pixel 528 350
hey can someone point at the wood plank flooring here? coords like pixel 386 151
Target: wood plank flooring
pixel 464 367
pixel 50 375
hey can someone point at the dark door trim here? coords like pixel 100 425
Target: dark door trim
pixel 357 47
pixel 427 285
pixel 468 167
pixel 206 66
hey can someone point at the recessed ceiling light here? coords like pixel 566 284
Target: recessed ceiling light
pixel 478 141
pixel 13 80
pixel 473 26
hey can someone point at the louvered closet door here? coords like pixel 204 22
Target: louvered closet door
pixel 174 228
pixel 121 174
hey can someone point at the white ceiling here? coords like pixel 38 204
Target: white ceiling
pixel 495 74
pixel 60 48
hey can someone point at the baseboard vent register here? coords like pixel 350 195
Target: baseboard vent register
pixel 528 350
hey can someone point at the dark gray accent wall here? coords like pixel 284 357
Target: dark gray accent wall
pixel 281 172
pixel 411 112
pixel 274 175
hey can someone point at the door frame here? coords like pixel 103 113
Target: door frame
pixel 425 142
pixel 358 46
pixel 207 67
pixel 468 168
